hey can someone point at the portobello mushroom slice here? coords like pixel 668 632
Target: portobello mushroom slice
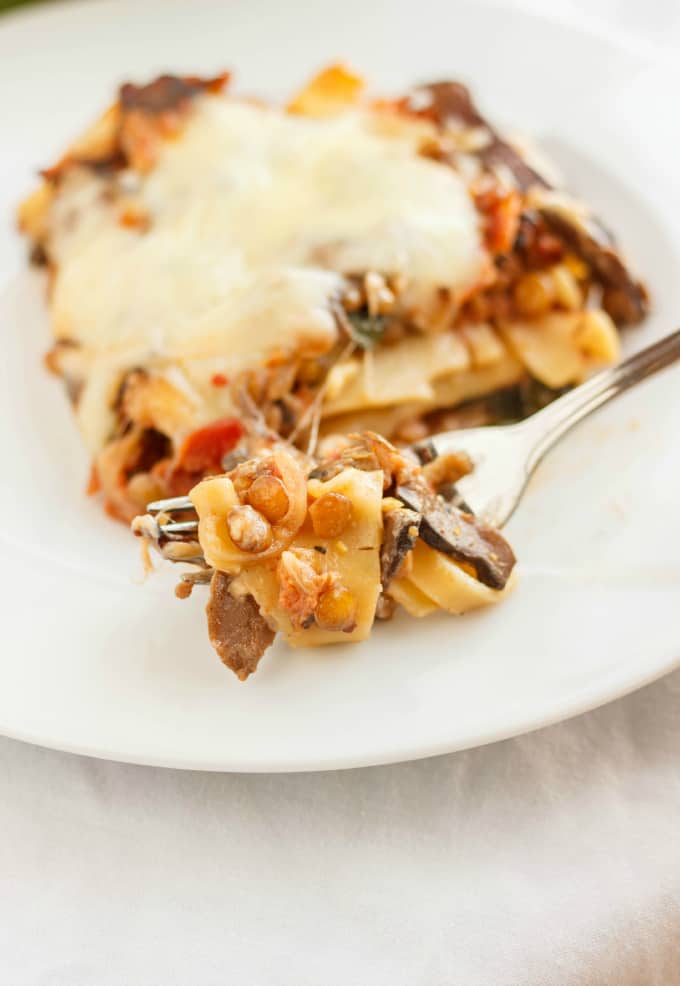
pixel 625 299
pixel 238 631
pixel 452 102
pixel 400 533
pixel 453 532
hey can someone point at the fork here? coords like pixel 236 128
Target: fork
pixel 503 456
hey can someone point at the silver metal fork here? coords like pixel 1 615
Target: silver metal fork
pixel 503 456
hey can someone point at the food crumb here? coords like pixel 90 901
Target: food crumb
pixel 147 563
pixel 183 589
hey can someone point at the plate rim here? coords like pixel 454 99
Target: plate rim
pixel 573 19
pixel 581 706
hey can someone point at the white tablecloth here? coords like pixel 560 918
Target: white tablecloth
pixel 549 859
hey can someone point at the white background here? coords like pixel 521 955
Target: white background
pixel 550 859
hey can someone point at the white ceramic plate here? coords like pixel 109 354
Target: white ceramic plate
pixel 93 661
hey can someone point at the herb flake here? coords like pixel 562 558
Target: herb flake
pixel 366 330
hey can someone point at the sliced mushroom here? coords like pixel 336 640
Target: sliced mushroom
pixel 238 631
pixel 385 607
pixel 451 102
pixel 453 532
pixel 357 455
pixel 624 298
pixel 400 533
pixel 167 92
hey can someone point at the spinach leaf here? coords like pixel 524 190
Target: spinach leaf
pixel 366 330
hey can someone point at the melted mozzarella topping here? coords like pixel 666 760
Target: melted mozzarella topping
pixel 254 218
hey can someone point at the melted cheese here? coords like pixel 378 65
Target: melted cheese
pixel 255 217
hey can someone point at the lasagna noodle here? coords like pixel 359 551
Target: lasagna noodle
pixel 447 584
pixel 380 389
pixel 563 348
pixel 355 557
pixel 413 600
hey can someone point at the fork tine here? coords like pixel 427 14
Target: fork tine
pixel 184 527
pixel 167 506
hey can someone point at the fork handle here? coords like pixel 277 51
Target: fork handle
pixel 549 424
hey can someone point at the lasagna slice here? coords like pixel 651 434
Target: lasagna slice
pixel 340 266
pixel 346 263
